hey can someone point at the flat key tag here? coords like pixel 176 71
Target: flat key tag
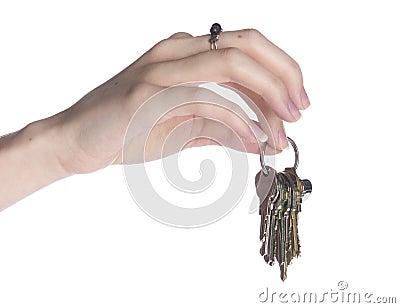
pixel 280 197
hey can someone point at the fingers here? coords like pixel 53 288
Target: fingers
pixel 192 102
pixel 208 132
pixel 201 102
pixel 257 46
pixel 250 42
pixel 274 129
pixel 226 65
pixel 245 59
pixel 182 132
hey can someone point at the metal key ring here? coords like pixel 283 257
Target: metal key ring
pixel 265 167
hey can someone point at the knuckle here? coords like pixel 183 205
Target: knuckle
pixel 159 49
pixel 251 34
pixel 179 35
pixel 277 84
pixel 162 45
pixel 295 67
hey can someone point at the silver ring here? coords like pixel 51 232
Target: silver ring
pixel 265 167
pixel 215 31
pixel 296 153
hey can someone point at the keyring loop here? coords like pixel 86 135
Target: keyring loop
pixel 266 168
pixel 296 153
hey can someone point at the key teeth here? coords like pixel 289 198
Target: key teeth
pixel 268 261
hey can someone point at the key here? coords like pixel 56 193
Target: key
pixel 298 187
pixel 281 195
pixel 288 240
pixel 295 235
pixel 279 208
pixel 265 185
pixel 265 188
pixel 285 225
pixel 269 257
pixel 292 180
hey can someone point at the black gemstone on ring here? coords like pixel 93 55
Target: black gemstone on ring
pixel 215 29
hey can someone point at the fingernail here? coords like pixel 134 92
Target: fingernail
pixel 304 98
pixel 282 139
pixel 294 111
pixel 261 136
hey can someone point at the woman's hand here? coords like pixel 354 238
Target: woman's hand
pixel 92 131
pixel 89 135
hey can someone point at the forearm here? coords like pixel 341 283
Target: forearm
pixel 28 161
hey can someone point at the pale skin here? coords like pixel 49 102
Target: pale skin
pixel 89 135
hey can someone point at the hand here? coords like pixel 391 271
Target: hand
pixel 89 135
pixel 91 132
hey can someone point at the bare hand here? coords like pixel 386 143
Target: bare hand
pixel 93 129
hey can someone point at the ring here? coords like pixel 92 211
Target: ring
pixel 265 167
pixel 215 31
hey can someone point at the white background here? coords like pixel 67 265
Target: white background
pixel 82 242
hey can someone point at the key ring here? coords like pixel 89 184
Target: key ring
pixel 265 168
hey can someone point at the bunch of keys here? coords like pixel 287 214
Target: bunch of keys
pixel 280 196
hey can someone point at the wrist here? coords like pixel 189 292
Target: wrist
pixel 47 146
pixel 29 161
